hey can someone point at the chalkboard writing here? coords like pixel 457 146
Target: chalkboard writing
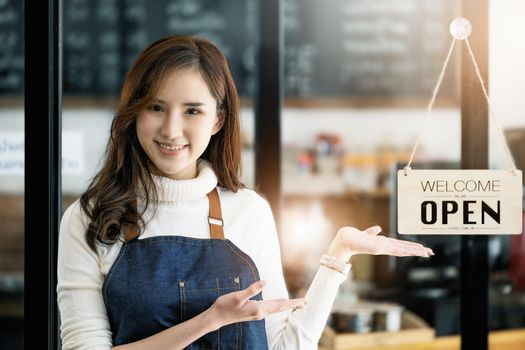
pixel 336 48
pixel 372 48
pixel 11 47
pixel 11 153
pixel 103 38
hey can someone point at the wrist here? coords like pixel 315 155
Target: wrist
pixel 211 319
pixel 338 250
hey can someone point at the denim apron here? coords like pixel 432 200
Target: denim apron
pixel 161 281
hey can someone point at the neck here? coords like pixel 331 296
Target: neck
pixel 173 190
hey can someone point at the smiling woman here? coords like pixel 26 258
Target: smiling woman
pixel 166 248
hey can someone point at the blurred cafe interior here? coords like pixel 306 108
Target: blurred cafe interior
pixel 354 80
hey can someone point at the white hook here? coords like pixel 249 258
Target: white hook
pixel 460 28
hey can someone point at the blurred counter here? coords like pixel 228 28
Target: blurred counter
pixel 498 340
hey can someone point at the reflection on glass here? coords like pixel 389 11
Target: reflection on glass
pixel 11 174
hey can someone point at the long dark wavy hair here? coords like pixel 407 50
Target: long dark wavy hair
pixel 110 199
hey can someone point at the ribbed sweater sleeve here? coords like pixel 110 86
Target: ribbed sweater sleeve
pixel 84 322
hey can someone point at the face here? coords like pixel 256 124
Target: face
pixel 176 128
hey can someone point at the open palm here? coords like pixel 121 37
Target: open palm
pixel 351 241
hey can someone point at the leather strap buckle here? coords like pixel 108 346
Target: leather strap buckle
pixel 214 221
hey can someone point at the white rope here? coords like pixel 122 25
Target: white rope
pixel 431 104
pixel 491 111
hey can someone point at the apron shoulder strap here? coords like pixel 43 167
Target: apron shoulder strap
pixel 215 217
pixel 130 231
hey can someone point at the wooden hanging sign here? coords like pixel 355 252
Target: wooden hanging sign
pixel 473 202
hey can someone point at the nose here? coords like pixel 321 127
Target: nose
pixel 173 126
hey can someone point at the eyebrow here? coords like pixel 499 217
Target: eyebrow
pixel 189 104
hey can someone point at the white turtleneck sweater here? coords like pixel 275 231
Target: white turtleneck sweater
pixel 183 210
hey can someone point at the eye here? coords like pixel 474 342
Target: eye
pixel 193 111
pixel 156 108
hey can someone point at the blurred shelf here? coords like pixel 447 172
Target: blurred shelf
pixel 313 185
pixel 308 185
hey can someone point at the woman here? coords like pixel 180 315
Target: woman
pixel 166 249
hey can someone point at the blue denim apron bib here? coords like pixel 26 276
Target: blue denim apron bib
pixel 161 281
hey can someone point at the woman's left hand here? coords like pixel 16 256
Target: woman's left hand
pixel 350 241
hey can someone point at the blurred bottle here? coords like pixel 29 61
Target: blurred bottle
pixel 328 150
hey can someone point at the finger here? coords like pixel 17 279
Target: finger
pixel 254 289
pixel 420 248
pixel 411 244
pixel 374 230
pixel 399 248
pixel 279 305
pixel 415 245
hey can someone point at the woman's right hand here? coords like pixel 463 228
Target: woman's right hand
pixel 238 307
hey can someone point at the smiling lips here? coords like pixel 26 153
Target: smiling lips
pixel 171 149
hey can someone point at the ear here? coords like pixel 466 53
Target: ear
pixel 219 122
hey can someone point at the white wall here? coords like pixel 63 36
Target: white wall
pixel 92 125
pixel 11 122
pixel 506 70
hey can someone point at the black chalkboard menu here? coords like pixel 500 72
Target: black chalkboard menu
pixel 367 48
pixel 102 38
pixel 11 47
pixel 353 49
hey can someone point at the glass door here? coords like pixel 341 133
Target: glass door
pixel 12 230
